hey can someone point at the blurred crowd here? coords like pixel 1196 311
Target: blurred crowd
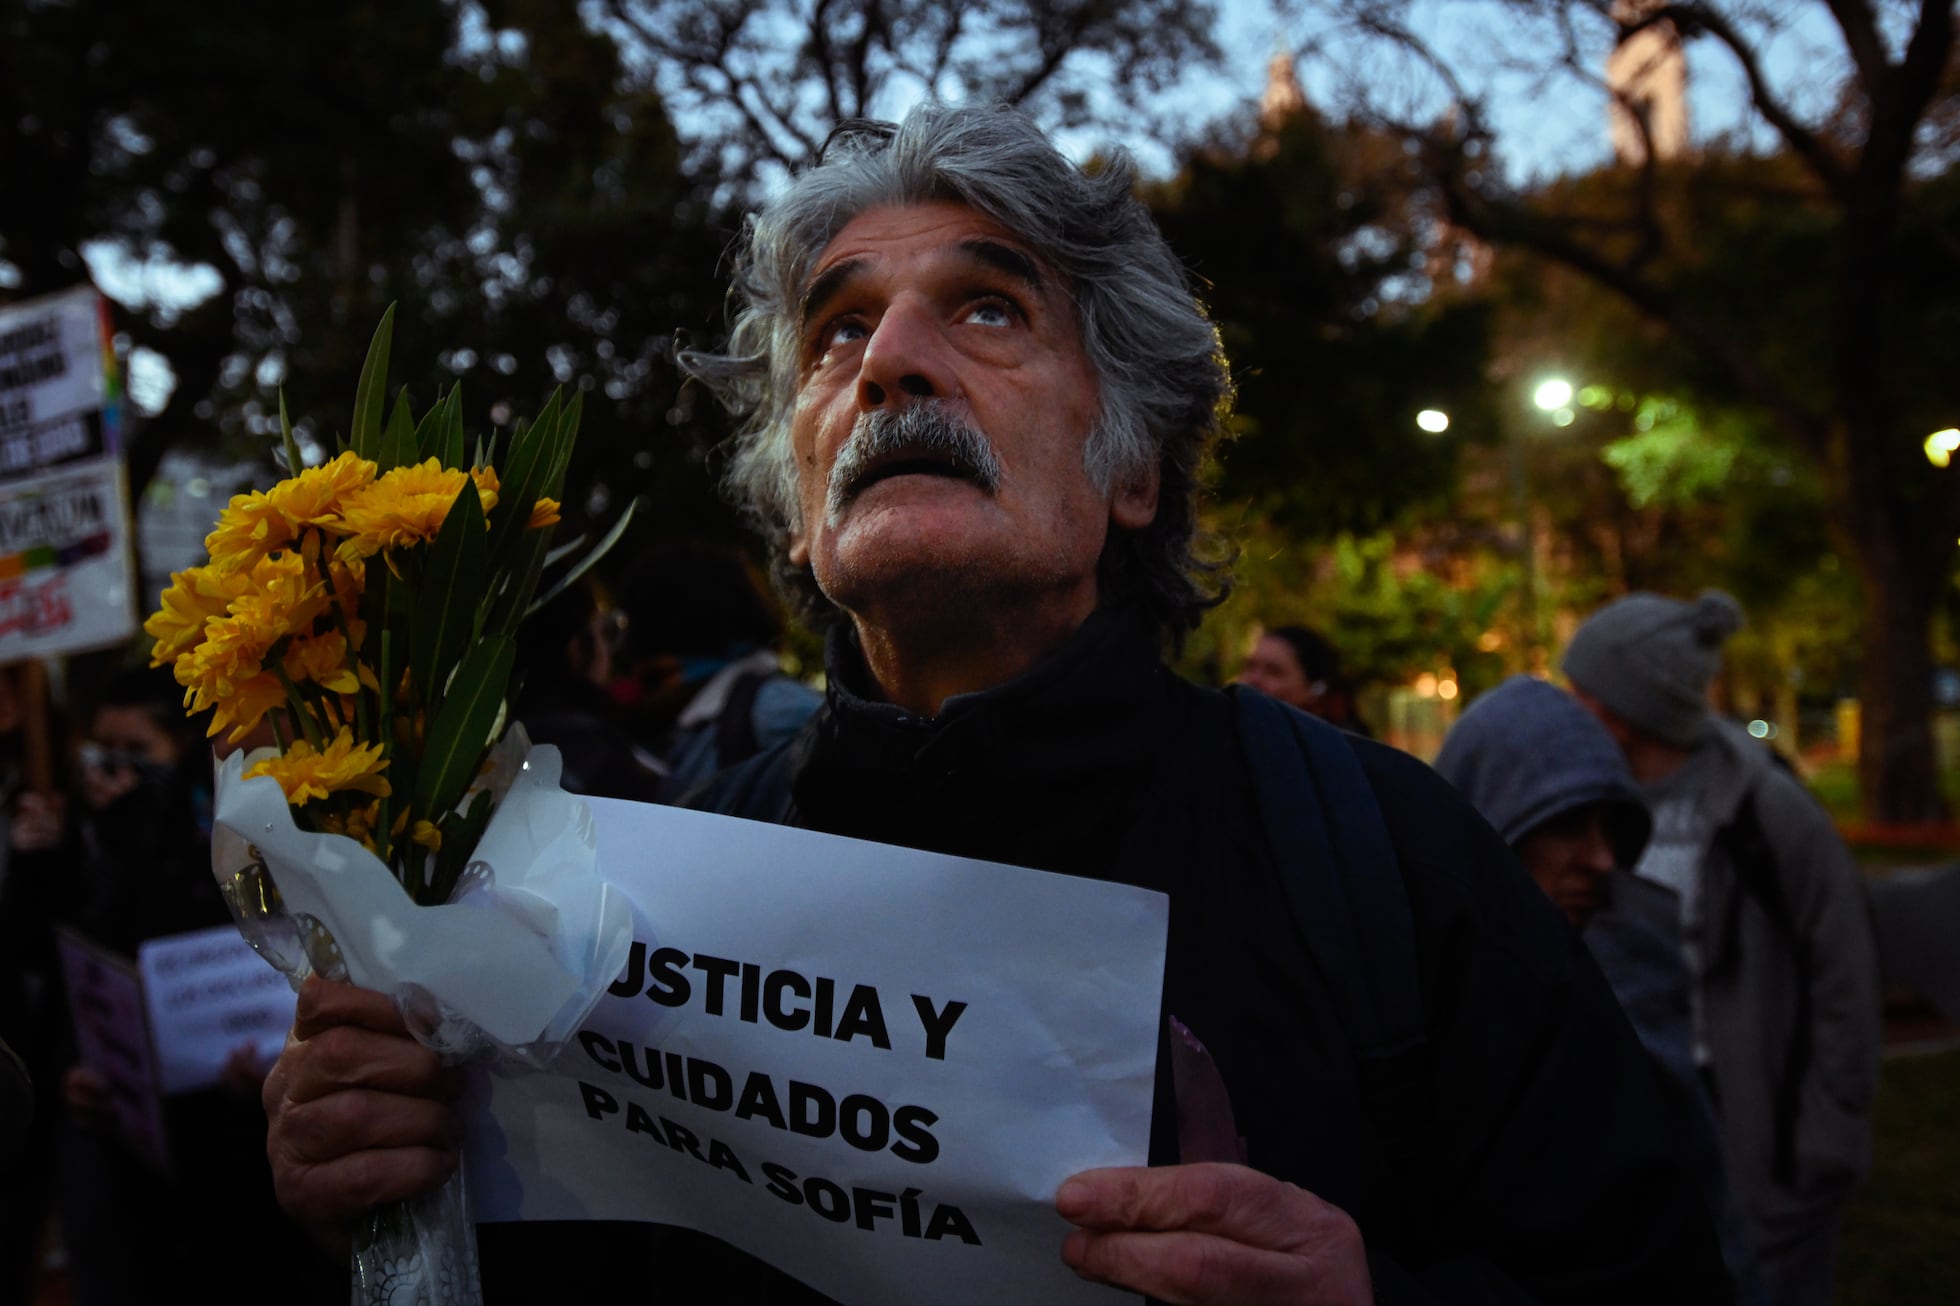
pixel 1708 886
pixel 646 690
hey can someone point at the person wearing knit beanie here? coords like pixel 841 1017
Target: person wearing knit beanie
pixel 1774 927
pixel 1651 659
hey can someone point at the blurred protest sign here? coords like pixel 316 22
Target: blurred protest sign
pixel 206 994
pixel 66 574
pixel 105 999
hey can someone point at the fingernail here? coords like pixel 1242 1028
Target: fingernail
pixel 1073 1195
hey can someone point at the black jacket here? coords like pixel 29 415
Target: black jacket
pixel 1546 1170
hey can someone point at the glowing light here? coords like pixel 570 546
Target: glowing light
pixel 1552 394
pixel 1425 685
pixel 1563 417
pixel 1433 420
pixel 1763 729
pixel 1941 446
pixel 1446 688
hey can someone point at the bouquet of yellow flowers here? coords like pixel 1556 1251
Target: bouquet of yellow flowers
pixel 397 832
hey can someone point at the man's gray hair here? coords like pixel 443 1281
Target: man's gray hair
pixel 1165 388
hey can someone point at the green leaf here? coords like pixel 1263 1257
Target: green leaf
pixel 370 396
pixel 398 442
pixel 521 480
pixel 440 435
pixel 520 582
pixel 429 434
pixel 461 832
pixel 286 441
pixel 459 735
pixel 454 441
pixel 567 436
pixel 560 552
pixel 454 576
pixel 579 568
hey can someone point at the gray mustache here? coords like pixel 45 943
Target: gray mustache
pixel 926 428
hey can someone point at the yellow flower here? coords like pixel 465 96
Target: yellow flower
pixel 405 506
pixel 322 659
pixel 341 766
pixel 255 524
pixel 428 836
pixel 227 670
pixel 357 824
pixel 194 598
pixel 349 583
pixel 543 513
pixel 244 707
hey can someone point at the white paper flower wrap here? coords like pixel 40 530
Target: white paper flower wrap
pixel 515 961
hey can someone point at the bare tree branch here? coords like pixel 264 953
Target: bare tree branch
pixel 1861 39
pixel 1804 143
pixel 1919 73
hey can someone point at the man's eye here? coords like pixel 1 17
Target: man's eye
pixel 992 313
pixel 843 331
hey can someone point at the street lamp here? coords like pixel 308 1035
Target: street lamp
pixel 1552 394
pixel 1942 445
pixel 1433 420
pixel 1553 397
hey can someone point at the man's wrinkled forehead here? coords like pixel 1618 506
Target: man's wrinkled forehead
pixel 997 250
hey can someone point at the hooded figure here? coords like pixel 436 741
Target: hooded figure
pixel 1549 778
pixel 1775 927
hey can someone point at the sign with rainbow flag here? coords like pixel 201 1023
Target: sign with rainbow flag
pixel 66 575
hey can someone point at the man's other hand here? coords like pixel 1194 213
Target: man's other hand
pixel 358 1112
pixel 1212 1234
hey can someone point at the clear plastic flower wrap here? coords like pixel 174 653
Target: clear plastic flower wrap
pixel 508 968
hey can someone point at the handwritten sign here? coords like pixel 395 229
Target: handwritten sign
pixel 207 993
pixel 868 1066
pixel 66 576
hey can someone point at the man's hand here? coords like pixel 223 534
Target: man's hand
pixel 358 1112
pixel 1212 1235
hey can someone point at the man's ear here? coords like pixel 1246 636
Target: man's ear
pixel 1134 505
pixel 798 552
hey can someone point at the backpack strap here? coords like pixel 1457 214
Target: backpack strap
pixel 1338 869
pixel 1757 875
pixel 1344 885
pixel 756 788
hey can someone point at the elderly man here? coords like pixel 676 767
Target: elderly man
pixel 977 392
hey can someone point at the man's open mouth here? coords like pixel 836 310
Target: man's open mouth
pixel 914 462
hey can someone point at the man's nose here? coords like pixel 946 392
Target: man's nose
pixel 905 359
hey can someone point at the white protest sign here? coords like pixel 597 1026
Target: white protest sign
pixel 207 993
pixel 868 1066
pixel 66 577
pixel 105 1001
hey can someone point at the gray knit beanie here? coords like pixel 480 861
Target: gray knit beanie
pixel 1651 659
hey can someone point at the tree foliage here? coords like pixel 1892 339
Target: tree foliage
pixel 764 81
pixel 287 174
pixel 1806 278
pixel 1309 254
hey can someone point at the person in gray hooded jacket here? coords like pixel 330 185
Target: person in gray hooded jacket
pixel 1776 928
pixel 1550 780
